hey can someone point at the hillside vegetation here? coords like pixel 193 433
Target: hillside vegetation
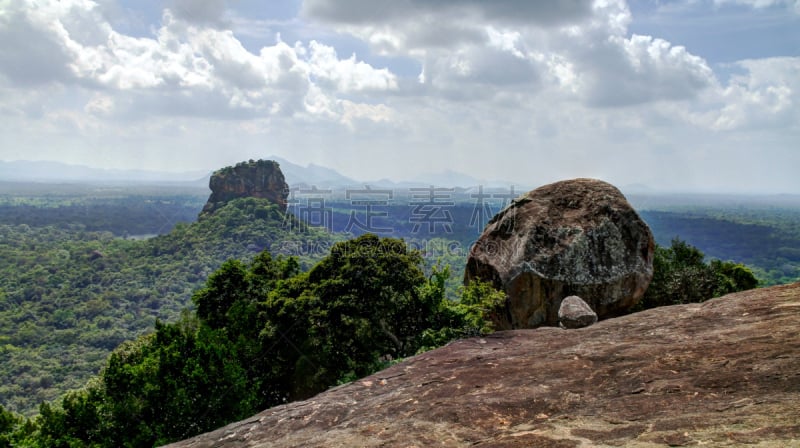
pixel 69 296
pixel 766 239
pixel 263 334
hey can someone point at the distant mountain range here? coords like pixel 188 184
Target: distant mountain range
pixel 312 175
pixel 43 171
pixel 326 177
pixel 296 175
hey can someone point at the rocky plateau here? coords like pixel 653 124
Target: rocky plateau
pixel 256 179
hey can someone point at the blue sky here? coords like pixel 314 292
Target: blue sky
pixel 686 95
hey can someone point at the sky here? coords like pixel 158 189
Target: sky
pixel 682 95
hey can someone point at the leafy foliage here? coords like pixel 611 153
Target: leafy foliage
pixel 471 315
pixel 8 424
pixel 681 275
pixel 69 296
pixel 264 333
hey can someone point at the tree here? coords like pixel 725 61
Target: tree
pixel 182 380
pixel 368 306
pixel 77 422
pixel 472 314
pixel 8 423
pixel 364 306
pixel 681 275
pixel 732 277
pixel 223 289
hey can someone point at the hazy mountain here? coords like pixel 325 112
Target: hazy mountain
pixel 40 171
pixel 444 179
pixel 448 178
pixel 320 176
pixel 43 171
pixel 296 175
pixel 312 175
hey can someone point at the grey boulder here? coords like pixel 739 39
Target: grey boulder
pixel 576 237
pixel 575 313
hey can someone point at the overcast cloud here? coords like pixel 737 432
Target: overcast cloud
pixel 527 92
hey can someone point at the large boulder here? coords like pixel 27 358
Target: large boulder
pixel 576 237
pixel 257 179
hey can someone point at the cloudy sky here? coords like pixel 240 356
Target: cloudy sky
pixel 700 95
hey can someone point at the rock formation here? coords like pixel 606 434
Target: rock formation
pixel 723 373
pixel 575 313
pixel 577 237
pixel 258 179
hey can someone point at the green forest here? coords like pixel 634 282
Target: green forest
pixel 69 296
pixel 766 240
pixel 141 328
pixel 263 333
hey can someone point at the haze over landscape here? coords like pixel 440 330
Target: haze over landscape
pixel 688 95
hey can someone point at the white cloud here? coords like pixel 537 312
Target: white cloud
pixel 480 72
pixel 417 27
pixel 793 5
pixel 33 52
pixel 100 105
pixel 640 69
pixel 519 90
pixel 186 68
pixel 346 75
pixel 767 95
pixel 352 112
pixel 478 51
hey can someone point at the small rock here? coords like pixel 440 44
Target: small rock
pixel 575 313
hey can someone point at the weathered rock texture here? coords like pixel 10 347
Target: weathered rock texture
pixel 575 313
pixel 725 373
pixel 576 237
pixel 258 179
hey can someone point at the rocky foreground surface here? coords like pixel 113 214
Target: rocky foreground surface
pixel 722 373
